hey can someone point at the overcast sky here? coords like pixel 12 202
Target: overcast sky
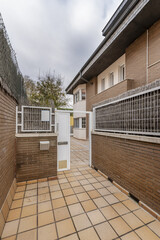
pixel 58 35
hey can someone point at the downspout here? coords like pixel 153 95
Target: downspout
pixel 147 58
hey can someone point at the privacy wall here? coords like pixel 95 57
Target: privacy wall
pixel 133 164
pixel 7 143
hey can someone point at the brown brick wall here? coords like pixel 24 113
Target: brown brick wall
pixel 134 165
pixel 33 163
pixel 108 93
pixel 7 143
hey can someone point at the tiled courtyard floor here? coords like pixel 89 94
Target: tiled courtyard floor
pixel 81 204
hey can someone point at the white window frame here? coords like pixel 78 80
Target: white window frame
pixel 111 80
pixel 121 78
pixel 103 84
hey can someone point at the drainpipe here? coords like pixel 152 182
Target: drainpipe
pixel 147 58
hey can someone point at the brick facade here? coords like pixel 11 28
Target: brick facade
pixel 33 163
pixel 7 143
pixel 135 165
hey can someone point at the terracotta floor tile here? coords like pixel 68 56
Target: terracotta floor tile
pixel 61 213
pixel 64 180
pixel 20 188
pixel 132 220
pixel 29 210
pixel 84 182
pixel 96 217
pixel 103 191
pixel 94 194
pixel 146 234
pixel 14 214
pixel 65 185
pixel 65 227
pixel 132 205
pixel 76 209
pixel 89 187
pixel 42 184
pixel 29 235
pixel 45 206
pixel 120 208
pixel 106 183
pixel 130 236
pixel 75 184
pixel 44 197
pixel 68 192
pixel 59 202
pixel 27 223
pixel 71 179
pixel 31 193
pixel 120 226
pixel 88 234
pixel 57 194
pixel 121 196
pixel 45 218
pixel 71 199
pixel 47 232
pixel 71 237
pixel 53 182
pixel 89 205
pixel 79 189
pixel 30 201
pixel 111 199
pixel 80 177
pixel 10 238
pixel 97 185
pixel 100 202
pixel 31 186
pixel 83 196
pixel 109 212
pixel 17 203
pixel 105 231
pixel 43 190
pixel 81 222
pixel 18 195
pixel 144 216
pixel 101 178
pixel 92 180
pixel 113 189
pixel 10 229
pixel 155 227
pixel 54 188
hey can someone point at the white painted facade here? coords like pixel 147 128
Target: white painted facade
pixel 104 77
pixel 80 105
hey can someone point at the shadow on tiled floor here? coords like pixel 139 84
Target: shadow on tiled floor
pixel 81 204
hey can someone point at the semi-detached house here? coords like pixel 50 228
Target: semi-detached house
pixel 122 78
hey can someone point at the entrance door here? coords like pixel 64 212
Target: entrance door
pixel 63 130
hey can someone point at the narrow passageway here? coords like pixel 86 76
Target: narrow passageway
pixel 79 152
pixel 81 204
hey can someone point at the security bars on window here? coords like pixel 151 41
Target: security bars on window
pixel 137 114
pixel 35 119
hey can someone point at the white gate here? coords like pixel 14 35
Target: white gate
pixel 63 129
pixel 63 140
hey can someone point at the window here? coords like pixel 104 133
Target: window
pixel 76 97
pixel 111 79
pixel 83 122
pixel 76 122
pixel 121 73
pixel 83 91
pixel 103 84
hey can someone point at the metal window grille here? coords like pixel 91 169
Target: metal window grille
pixel 137 114
pixel 35 119
pixel 83 122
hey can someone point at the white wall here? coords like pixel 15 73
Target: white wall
pixel 79 133
pixel 81 105
pixel 112 68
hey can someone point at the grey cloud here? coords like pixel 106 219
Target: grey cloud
pixel 55 35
